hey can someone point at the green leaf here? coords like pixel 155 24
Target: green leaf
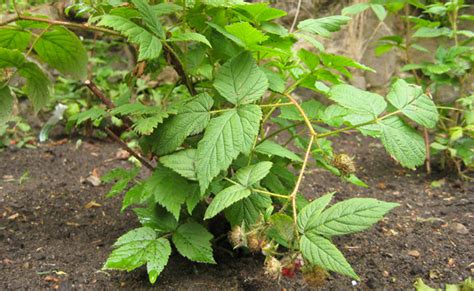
pixel 123 177
pixel 240 80
pixel 402 142
pixel 182 162
pixel 225 138
pixel 379 10
pixel 358 101
pixel 320 251
pixel 191 119
pixel 133 196
pixel 252 174
pixel 189 36
pixel 271 148
pixel 149 45
pixel 311 212
pixel 93 114
pixel 428 32
pixel 248 34
pixel 411 101
pixel 64 51
pixel 37 84
pixel 224 32
pixel 355 9
pixel 6 104
pixel 149 16
pixel 11 58
pixel 312 109
pixel 138 247
pixel 146 125
pixel 276 82
pixel 226 198
pixel 169 189
pixel 281 229
pixel 193 241
pixel 349 216
pixel 135 109
pixel 14 38
pixel 259 11
pixel 156 217
pixel 248 210
pixel 324 26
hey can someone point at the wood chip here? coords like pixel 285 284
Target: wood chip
pixel 414 253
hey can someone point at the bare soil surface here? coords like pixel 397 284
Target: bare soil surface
pixel 56 231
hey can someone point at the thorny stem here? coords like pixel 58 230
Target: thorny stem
pixel 260 191
pixel 96 91
pixel 303 114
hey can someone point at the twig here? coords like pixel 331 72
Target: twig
pixel 303 114
pixel 128 149
pixel 298 8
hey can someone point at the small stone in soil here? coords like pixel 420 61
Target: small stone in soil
pixel 459 228
pixel 414 253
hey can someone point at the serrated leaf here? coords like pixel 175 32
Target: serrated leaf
pixel 324 26
pixel 6 104
pixel 428 32
pixel 349 216
pixel 182 162
pixel 240 80
pixel 123 177
pixel 271 148
pixel 276 82
pixel 311 211
pixel 281 229
pixel 64 51
pixel 312 109
pixel 322 252
pixel 11 58
pixel 248 34
pixel 252 174
pixel 93 114
pixel 228 35
pixel 14 38
pixel 149 45
pixel 226 198
pixel 133 196
pixel 37 84
pixel 402 142
pixel 149 17
pixel 157 218
pixel 135 109
pixel 189 36
pixel 225 138
pixel 193 241
pixel 146 125
pixel 259 11
pixel 169 189
pixel 355 9
pixel 248 210
pixel 358 101
pixel 138 247
pixel 190 120
pixel 413 103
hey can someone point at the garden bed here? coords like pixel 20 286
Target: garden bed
pixel 56 230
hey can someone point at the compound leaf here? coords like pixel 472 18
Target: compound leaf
pixel 248 34
pixel 14 38
pixel 225 138
pixel 240 80
pixel 193 241
pixel 248 210
pixel 358 101
pixel 37 84
pixel 138 247
pixel 322 252
pixel 189 36
pixel 150 17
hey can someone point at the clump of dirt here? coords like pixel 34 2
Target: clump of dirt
pixel 57 228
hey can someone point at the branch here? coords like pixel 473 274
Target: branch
pixel 173 59
pixel 128 149
pixel 303 114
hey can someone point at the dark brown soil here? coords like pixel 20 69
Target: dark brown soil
pixel 50 239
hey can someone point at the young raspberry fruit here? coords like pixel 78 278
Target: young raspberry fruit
pixel 344 163
pixel 236 237
pixel 272 268
pixel 253 243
